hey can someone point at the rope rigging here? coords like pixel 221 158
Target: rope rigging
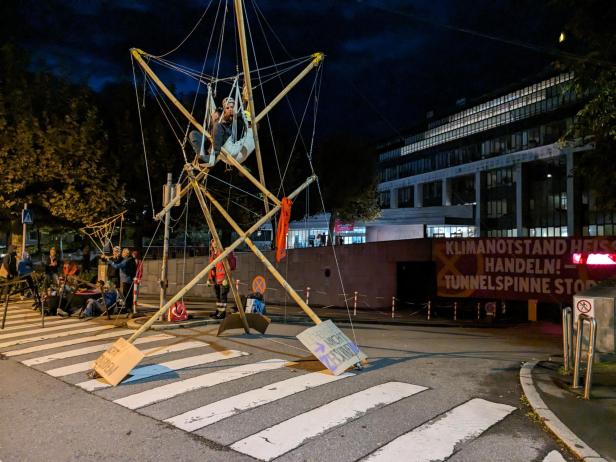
pixel 237 146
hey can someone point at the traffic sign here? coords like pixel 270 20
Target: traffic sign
pixel 259 285
pixel 583 306
pixel 26 217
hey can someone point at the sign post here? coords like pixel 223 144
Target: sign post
pixel 26 219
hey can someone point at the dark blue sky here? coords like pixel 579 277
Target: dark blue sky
pixel 388 62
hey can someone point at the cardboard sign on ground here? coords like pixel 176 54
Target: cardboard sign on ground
pixel 115 363
pixel 330 346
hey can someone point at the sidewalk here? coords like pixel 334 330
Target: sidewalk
pixel 586 427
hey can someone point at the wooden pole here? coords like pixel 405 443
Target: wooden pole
pixel 210 223
pixel 259 184
pixel 239 15
pixel 178 196
pixel 203 273
pixel 163 269
pixel 294 295
pixel 317 58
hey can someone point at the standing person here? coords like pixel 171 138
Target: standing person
pixel 113 274
pixel 85 259
pixel 218 277
pixel 128 271
pixel 138 276
pixel 9 263
pixel 52 267
pixel 25 268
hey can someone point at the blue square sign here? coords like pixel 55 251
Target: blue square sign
pixel 26 217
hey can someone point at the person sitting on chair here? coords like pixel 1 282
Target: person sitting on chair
pixel 96 307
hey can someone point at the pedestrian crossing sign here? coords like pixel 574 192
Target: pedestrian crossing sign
pixel 26 217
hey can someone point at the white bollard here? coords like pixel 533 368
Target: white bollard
pixel 307 295
pixel 393 306
pixel 237 285
pixel 355 304
pixel 429 309
pixel 478 311
pixel 455 311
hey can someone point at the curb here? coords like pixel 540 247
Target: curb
pixel 562 432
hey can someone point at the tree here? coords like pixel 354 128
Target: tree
pixel 52 148
pixel 346 169
pixel 590 34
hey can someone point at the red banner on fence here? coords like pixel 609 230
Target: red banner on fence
pixel 518 268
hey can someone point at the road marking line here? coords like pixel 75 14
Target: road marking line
pixel 68 323
pixel 19 311
pixel 85 351
pixel 214 412
pixel 288 435
pixel 47 323
pixel 30 314
pixel 554 456
pixel 53 335
pixel 29 319
pixel 437 438
pixel 87 365
pixel 170 390
pixel 151 370
pixel 74 341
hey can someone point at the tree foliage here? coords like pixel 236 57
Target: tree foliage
pixel 590 34
pixel 52 148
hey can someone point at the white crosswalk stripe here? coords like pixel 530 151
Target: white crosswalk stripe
pixel 74 341
pixel 170 390
pixel 17 318
pixel 86 350
pixel 39 329
pixel 144 372
pixel 554 456
pixel 437 439
pixel 53 335
pixel 87 365
pixel 288 435
pixel 33 323
pixel 212 413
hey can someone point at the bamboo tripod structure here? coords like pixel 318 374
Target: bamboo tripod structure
pixel 241 319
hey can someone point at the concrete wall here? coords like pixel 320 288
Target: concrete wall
pixel 368 268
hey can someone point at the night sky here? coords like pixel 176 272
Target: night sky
pixel 387 64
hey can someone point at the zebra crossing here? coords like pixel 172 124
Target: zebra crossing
pixel 174 368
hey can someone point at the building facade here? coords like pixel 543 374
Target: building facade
pixel 494 169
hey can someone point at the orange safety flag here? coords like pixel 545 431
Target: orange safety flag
pixel 283 228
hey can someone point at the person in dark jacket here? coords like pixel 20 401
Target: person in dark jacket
pixel 9 263
pixel 52 267
pixel 128 271
pixel 25 268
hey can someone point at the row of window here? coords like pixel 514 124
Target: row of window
pixel 544 101
pixel 520 140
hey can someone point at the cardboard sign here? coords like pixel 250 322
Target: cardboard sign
pixel 115 363
pixel 330 346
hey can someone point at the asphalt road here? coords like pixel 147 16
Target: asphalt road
pixel 427 394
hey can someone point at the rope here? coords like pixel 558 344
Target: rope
pixel 145 154
pixel 189 34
